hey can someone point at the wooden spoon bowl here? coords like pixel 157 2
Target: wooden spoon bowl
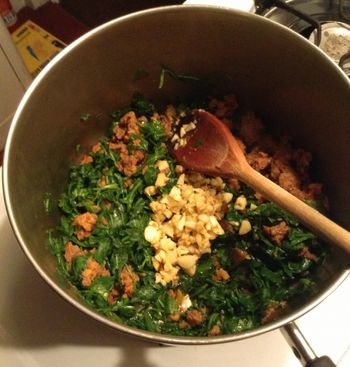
pixel 213 150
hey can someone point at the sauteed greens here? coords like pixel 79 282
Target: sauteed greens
pixel 250 276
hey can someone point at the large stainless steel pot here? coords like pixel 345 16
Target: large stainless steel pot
pixel 285 79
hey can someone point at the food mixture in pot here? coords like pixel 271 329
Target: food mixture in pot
pixel 156 247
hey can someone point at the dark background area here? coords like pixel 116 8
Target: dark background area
pixel 95 12
pixel 72 18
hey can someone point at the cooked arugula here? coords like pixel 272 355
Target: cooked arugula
pixel 264 277
pixel 85 117
pixel 172 74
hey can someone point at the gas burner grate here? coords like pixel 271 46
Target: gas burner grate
pixel 325 23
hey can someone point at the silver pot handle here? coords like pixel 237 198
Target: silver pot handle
pixel 302 349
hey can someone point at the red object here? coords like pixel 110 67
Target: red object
pixel 7 13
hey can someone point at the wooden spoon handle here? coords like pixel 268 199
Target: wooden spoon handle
pixel 311 218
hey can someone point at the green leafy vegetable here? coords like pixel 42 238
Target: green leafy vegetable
pixel 48 204
pixel 181 77
pixel 85 117
pixel 261 273
pixel 154 131
pixel 141 106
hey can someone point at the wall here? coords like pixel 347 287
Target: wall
pixel 18 4
pixel 14 80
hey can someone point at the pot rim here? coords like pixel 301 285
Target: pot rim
pixel 146 335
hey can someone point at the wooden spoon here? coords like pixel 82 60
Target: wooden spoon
pixel 212 149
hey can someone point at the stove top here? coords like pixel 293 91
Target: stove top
pixel 320 10
pixel 325 23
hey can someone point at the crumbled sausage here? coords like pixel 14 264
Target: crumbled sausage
pixel 224 108
pixel 128 183
pixel 214 331
pixel 112 295
pixel 92 270
pixel 107 204
pixel 172 293
pixel 238 255
pixel 128 160
pixel 86 159
pixel 251 129
pixel 272 311
pixel 194 317
pixel 305 252
pixel 183 325
pixel 290 182
pixel 102 182
pixel 277 233
pixel 84 224
pixel 96 208
pixel 258 159
pixel 226 225
pixel 302 160
pixel 168 120
pixel 280 162
pixel 269 315
pixel 127 126
pixel 128 278
pixel 234 183
pixel 174 316
pixel 96 148
pixel 284 174
pixel 260 197
pixel 313 190
pixel 70 251
pixel 86 221
pixel 221 275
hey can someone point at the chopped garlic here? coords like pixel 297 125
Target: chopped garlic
pixel 163 166
pixel 228 197
pixel 186 303
pixel 186 219
pixel 150 190
pixel 179 169
pixel 240 203
pixel 151 234
pixel 187 261
pixel 182 132
pixel 174 138
pixel 245 227
pixel 161 180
